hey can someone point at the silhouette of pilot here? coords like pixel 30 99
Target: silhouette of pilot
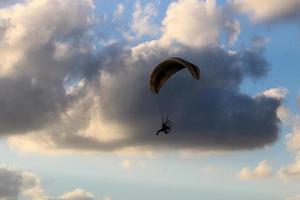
pixel 165 127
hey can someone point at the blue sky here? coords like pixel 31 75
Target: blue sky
pixel 78 120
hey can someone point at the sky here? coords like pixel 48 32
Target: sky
pixel 78 119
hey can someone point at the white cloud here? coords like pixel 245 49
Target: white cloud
pixel 191 22
pixel 15 184
pixel 292 121
pixel 209 169
pixel 287 118
pixel 277 93
pixel 142 20
pixel 291 171
pixel 232 29
pixel 77 194
pixel 293 139
pixel 128 164
pixel 293 198
pixel 31 186
pixel 28 26
pixel 119 11
pixel 262 170
pixel 268 10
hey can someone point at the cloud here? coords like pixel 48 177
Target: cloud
pixel 127 163
pixel 286 117
pixel 142 19
pixel 68 95
pixel 209 169
pixel 200 128
pixel 262 170
pixel 269 11
pixel 292 121
pixel 77 194
pixel 191 22
pixel 16 184
pixel 232 29
pixel 38 53
pixel 31 186
pixel 9 184
pixel 291 171
pixel 293 198
pixel 216 115
pixel 119 12
pixel 293 139
pixel 4 3
pixel 276 93
pixel 197 23
pixel 259 43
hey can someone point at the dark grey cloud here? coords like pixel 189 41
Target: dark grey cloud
pixel 4 3
pixel 211 113
pixel 26 106
pixel 10 183
pixel 36 95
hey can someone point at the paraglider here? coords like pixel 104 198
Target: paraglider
pixel 162 73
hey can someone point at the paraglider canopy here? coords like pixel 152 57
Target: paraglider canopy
pixel 163 71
